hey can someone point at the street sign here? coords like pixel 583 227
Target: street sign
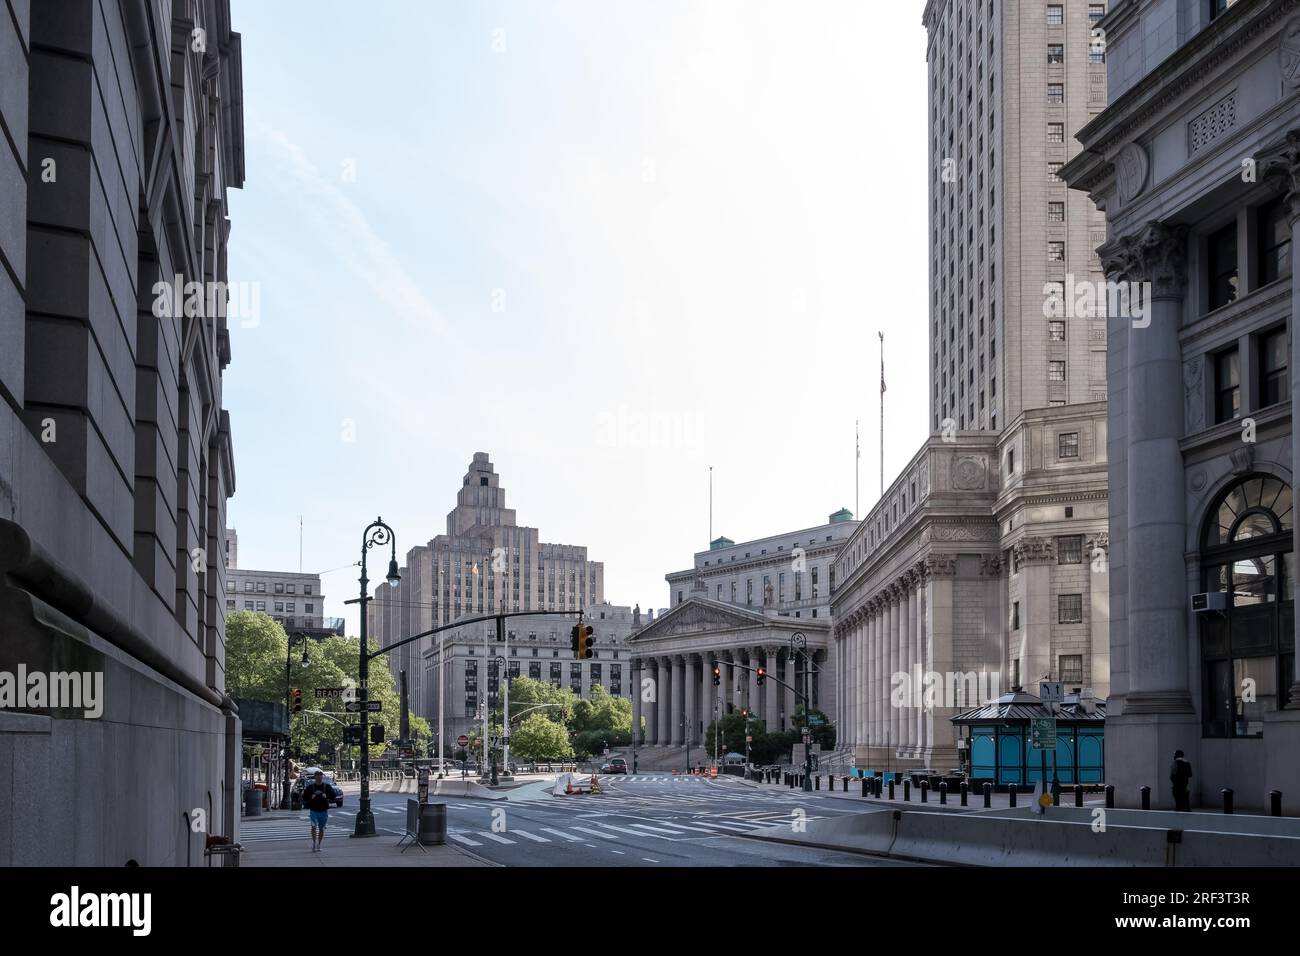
pixel 749 738
pixel 356 706
pixel 807 739
pixel 505 741
pixel 462 741
pixel 329 692
pixel 815 720
pixel 1042 734
pixel 1051 691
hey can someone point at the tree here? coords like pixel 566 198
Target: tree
pixel 602 712
pixel 822 730
pixel 255 652
pixel 526 692
pixel 731 733
pixel 539 738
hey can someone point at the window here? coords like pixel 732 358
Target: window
pixel 1071 669
pixel 279 606
pixel 261 605
pixel 1055 14
pixel 1053 171
pixel 749 591
pixel 1227 386
pixel 1055 53
pixel 306 589
pixel 1218 7
pixel 1056 371
pixel 1015 615
pixel 248 605
pixel 1274 385
pixel 1056 132
pixel 1055 93
pixel 1056 212
pixel 1069 549
pixel 1056 331
pixel 680 597
pixel 1067 445
pixel 261 587
pixel 1069 609
pixel 292 589
pixel 1246 554
pixel 279 588
pixel 1221 258
pixel 1274 242
pixel 248 587
pixel 1056 251
pixel 1096 11
pixel 230 605
pixel 814 583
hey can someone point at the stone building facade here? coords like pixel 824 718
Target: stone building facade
pixel 738 608
pixel 1196 162
pixel 123 131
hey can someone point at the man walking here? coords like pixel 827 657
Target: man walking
pixel 316 796
pixel 1180 773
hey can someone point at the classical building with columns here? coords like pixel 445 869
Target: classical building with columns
pixel 1196 162
pixel 740 606
pixel 983 568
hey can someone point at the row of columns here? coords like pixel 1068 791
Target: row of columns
pixel 892 634
pixel 676 696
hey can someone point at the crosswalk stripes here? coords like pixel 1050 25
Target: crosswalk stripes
pixel 560 833
pixel 461 838
pixel 530 836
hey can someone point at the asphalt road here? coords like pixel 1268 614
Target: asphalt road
pixel 642 820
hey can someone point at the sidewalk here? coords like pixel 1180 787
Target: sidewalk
pixel 342 849
pixel 998 802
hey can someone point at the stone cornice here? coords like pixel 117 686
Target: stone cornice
pixel 1187 69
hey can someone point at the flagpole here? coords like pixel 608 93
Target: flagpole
pixel 882 413
pixel 710 506
pixel 857 463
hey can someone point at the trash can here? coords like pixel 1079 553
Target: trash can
pixel 252 802
pixel 433 824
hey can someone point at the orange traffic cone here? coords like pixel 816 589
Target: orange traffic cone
pixel 594 784
pixel 568 786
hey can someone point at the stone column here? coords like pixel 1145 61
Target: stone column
pixel 651 668
pixel 665 708
pixel 1037 555
pixel 903 713
pixel 850 707
pixel 856 682
pixel 706 693
pixel 679 710
pixel 917 685
pixel 636 700
pixel 924 715
pixel 1157 591
pixel 771 706
pixel 864 676
pixel 939 573
pixel 689 687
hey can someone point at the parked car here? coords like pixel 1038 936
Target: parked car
pixel 615 765
pixel 309 776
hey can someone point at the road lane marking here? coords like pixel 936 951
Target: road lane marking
pixel 619 852
pixel 560 833
pixel 493 836
pixel 465 840
pixel 648 860
pixel 530 836
pixel 640 833
pixel 646 826
pixel 599 833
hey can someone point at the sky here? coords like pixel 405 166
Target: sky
pixel 612 244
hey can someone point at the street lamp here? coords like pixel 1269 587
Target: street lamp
pixel 799 643
pixel 288 704
pixel 376 533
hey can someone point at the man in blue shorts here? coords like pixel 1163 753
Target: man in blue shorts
pixel 316 796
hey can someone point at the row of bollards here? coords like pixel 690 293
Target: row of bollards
pixel 876 786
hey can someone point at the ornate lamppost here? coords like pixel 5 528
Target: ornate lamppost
pixel 377 533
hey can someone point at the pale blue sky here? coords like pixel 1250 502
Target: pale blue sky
pixel 609 243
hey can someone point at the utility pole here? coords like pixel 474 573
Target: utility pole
pixel 505 719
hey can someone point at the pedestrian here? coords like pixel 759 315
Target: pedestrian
pixel 317 796
pixel 1180 773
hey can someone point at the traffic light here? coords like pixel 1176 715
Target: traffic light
pixel 376 733
pixel 296 698
pixel 760 673
pixel 744 712
pixel 573 640
pixel 717 675
pixel 586 638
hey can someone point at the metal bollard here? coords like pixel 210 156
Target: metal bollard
pixel 865 783
pixel 988 794
pixel 1011 790
pixel 907 791
pixel 846 784
pixel 1078 794
pixel 1146 798
pixel 817 782
pixel 1275 803
pixel 891 790
pixel 880 786
pixel 1227 799
pixel 943 791
pixel 925 791
pixel 1110 796
pixel 964 790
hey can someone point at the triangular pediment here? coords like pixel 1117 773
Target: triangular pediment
pixel 699 615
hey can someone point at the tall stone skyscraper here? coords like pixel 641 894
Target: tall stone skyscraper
pixel 1010 82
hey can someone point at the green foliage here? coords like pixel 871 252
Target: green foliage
pixel 602 712
pixel 526 692
pixel 731 733
pixel 538 738
pixel 823 733
pixel 256 648
pixel 592 743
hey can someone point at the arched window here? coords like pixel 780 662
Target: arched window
pixel 1248 651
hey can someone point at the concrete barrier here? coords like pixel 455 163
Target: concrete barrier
pixel 986 840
